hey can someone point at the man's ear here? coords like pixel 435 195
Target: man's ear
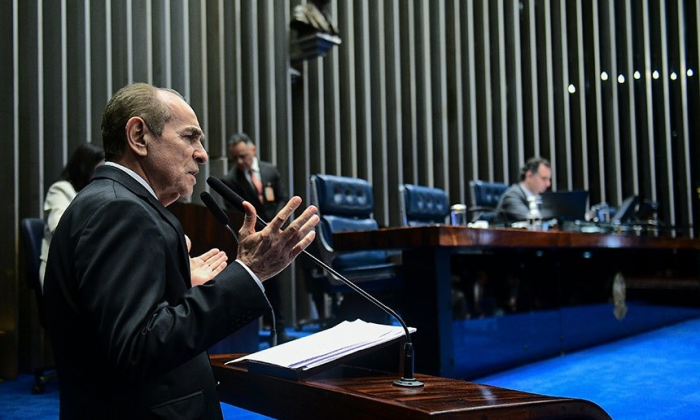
pixel 137 133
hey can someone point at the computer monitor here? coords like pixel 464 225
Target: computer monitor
pixel 564 205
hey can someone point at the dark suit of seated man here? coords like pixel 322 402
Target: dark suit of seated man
pixel 535 178
pixel 128 329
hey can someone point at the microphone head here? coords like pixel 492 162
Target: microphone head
pixel 214 208
pixel 227 193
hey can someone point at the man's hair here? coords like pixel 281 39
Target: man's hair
pixel 532 165
pixel 135 100
pixel 240 138
pixel 81 165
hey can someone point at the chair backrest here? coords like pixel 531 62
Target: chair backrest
pixel 419 206
pixel 486 194
pixel 344 204
pixel 32 234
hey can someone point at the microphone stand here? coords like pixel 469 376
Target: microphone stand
pixel 407 379
pixel 222 218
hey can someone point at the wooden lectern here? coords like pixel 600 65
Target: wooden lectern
pixel 346 392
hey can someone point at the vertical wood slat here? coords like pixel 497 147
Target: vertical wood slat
pixel 500 163
pixel 581 89
pixel 667 115
pixel 629 74
pixel 565 105
pixel 549 93
pixel 600 136
pixel 534 72
pixel 488 91
pixel 424 104
pixel 410 68
pixel 438 58
pixel 472 89
pixel 394 120
pixel 364 98
pixel 647 73
pixel 613 165
pixel 378 109
pixel 685 157
pixel 520 100
pixel 456 103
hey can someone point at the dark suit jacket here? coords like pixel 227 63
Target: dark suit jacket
pixel 128 331
pixel 514 204
pixel 270 177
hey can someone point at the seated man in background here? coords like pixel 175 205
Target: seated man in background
pixel 129 331
pixel 535 178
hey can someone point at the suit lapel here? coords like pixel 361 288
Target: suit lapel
pixel 127 181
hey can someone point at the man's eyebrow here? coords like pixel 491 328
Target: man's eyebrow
pixel 193 131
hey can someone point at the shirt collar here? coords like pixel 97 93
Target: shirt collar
pixel 526 191
pixel 134 175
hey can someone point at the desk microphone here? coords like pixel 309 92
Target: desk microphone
pixel 407 379
pixel 222 218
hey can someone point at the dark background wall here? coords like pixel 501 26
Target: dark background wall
pixel 433 92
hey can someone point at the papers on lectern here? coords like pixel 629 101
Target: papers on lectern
pixel 303 357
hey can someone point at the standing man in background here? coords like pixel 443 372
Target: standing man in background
pixel 259 183
pixel 535 178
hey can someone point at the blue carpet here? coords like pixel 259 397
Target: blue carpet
pixel 651 376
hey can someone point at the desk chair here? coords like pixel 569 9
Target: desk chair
pixel 33 234
pixel 421 206
pixel 346 204
pixel 484 199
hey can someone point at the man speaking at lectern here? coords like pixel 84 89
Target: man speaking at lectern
pixel 128 330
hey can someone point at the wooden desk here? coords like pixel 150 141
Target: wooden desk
pixel 427 257
pixel 353 393
pixel 455 236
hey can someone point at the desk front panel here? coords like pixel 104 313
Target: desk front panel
pixel 488 300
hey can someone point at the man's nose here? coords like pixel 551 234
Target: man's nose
pixel 200 155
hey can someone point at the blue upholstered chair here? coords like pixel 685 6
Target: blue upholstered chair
pixel 420 206
pixel 484 199
pixel 346 204
pixel 32 235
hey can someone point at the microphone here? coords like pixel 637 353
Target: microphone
pixel 222 218
pixel 214 208
pixel 408 379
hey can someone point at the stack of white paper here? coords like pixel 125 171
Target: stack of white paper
pixel 328 345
